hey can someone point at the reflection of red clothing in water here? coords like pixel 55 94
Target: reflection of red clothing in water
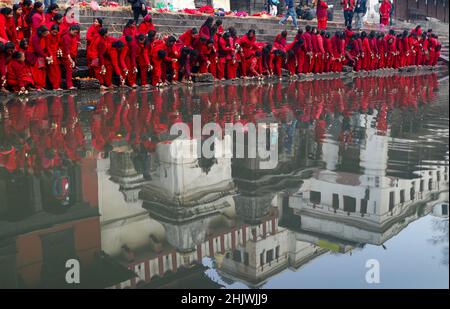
pixel 382 120
pixel 39 50
pixel 8 159
pixel 320 130
pixel 346 137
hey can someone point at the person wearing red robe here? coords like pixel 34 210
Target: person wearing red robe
pixel 170 66
pixel 424 43
pixel 375 53
pixel 157 57
pixel 280 41
pixel 68 56
pixel 414 47
pixel 405 51
pixel 146 25
pixel 6 51
pixel 204 58
pixel 189 38
pixel 92 32
pixel 7 26
pixel 97 53
pixel 36 17
pixel 208 57
pixel 348 7
pixel 142 59
pixel 354 53
pixel 205 29
pixel 19 76
pixel 399 46
pixel 328 48
pixel 55 20
pixel 38 47
pixel 382 51
pixel 391 49
pixel 68 21
pixel 300 51
pixel 19 21
pixel 130 60
pixel 434 49
pixel 52 10
pixel 309 59
pixel 27 7
pixel 319 53
pixel 189 59
pixel 348 32
pixel 249 46
pixel 238 54
pixel 315 50
pixel 417 31
pixel 226 56
pixel 129 29
pixel 367 54
pixel 117 55
pixel 385 13
pixel 219 27
pixel 418 47
pixel 150 43
pixel 338 44
pixel 291 61
pixel 322 14
pixel 255 64
pixel 214 58
pixel 53 41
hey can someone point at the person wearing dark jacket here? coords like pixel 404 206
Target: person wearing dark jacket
pixel 139 8
pixel 360 12
pixel 290 11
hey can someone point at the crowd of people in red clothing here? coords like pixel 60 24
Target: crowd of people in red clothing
pixel 38 47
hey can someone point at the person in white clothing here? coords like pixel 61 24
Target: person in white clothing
pixel 273 7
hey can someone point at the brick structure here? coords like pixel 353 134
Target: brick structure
pixel 419 9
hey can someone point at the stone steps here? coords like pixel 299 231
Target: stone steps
pixel 227 22
pixel 176 24
pixel 266 28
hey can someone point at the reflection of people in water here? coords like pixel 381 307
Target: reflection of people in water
pixel 40 136
pixel 141 160
pixel 43 134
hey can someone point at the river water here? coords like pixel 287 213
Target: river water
pixel 357 196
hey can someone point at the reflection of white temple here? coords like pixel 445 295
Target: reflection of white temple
pixel 440 210
pixel 184 187
pixel 123 172
pixel 270 250
pixel 366 207
pixel 123 221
